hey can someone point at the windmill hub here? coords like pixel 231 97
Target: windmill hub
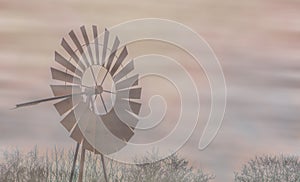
pixel 98 89
pixel 94 91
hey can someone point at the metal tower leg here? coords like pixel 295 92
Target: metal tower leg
pixel 104 169
pixel 74 162
pixel 80 178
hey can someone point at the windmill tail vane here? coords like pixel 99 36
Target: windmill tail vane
pixel 96 94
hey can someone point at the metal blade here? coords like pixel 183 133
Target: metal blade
pixel 59 90
pixel 116 126
pixel 87 42
pixel 60 75
pixel 125 109
pixel 124 71
pixel 69 50
pixel 86 145
pixel 129 82
pixel 85 114
pixel 70 120
pixel 90 131
pixel 119 61
pixel 106 142
pixel 76 134
pixel 82 112
pixel 112 53
pixel 79 47
pixel 134 93
pixel 105 42
pixel 95 32
pixel 67 64
pixel 65 105
pixel 135 107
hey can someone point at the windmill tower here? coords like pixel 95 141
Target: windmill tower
pixel 96 98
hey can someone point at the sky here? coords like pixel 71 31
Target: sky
pixel 257 43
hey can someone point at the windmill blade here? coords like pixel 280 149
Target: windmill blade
pixel 112 53
pixel 119 61
pixel 134 93
pixel 105 42
pixel 67 64
pixel 84 114
pixel 76 134
pixel 135 107
pixel 87 42
pixel 125 112
pixel 59 90
pixel 129 82
pixel 125 109
pixel 117 127
pixel 65 105
pixel 62 76
pixel 105 141
pixel 95 33
pixel 124 71
pixel 69 50
pixel 90 132
pixel 69 120
pixel 86 145
pixel 84 121
pixel 79 47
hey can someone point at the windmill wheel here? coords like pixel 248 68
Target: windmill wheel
pixel 101 100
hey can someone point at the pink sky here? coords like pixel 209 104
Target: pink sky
pixel 257 43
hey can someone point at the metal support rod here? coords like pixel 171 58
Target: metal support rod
pixel 80 178
pixel 74 162
pixel 104 169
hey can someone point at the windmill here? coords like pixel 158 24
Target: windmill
pixel 96 96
